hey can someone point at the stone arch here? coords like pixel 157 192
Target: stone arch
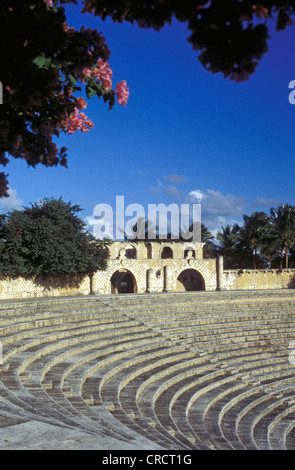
pixel 123 282
pixel 166 252
pixel 130 252
pixel 190 280
pixel 189 252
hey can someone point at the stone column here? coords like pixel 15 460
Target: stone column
pixel 90 275
pixel 150 284
pixel 167 282
pixel 220 273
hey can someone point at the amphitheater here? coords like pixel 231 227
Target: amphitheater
pixel 149 371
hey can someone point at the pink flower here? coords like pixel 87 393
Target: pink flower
pixel 102 72
pixel 122 92
pixel 76 122
pixel 105 74
pixel 80 103
pixel 87 72
pixel 48 2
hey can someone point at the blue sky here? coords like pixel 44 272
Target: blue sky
pixel 185 136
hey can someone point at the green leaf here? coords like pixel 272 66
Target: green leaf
pixel 73 80
pixel 40 61
pixel 48 62
pixel 90 92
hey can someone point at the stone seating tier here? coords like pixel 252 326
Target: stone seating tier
pixel 193 370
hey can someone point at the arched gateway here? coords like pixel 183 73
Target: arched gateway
pixel 156 266
pixel 123 282
pixel 190 280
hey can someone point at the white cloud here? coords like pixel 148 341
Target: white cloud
pixel 197 194
pixel 170 190
pixel 175 178
pixel 218 209
pixel 100 228
pixel 10 203
pixel 266 202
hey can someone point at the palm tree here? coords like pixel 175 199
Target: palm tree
pixel 251 235
pixel 227 239
pixel 209 248
pixel 281 238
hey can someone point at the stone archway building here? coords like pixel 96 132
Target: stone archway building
pixel 139 267
pixel 157 266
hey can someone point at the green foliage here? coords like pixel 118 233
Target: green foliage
pixel 48 238
pixel 227 240
pixel 231 36
pixel 280 240
pixel 261 241
pixel 42 59
pixel 250 236
pixel 209 248
pixel 95 89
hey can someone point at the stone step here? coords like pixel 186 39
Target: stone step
pixel 184 371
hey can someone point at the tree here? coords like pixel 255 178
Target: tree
pixel 227 240
pixel 209 248
pixel 250 236
pixel 281 237
pixel 46 65
pixel 48 238
pixel 231 35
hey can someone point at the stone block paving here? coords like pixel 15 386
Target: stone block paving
pixel 174 371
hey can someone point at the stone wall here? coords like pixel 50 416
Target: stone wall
pixel 21 288
pixel 41 286
pixel 144 262
pixel 143 268
pixel 258 279
pixel 151 274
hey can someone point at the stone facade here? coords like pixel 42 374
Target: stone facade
pixel 156 266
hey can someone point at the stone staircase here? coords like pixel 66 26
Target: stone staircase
pixel 187 371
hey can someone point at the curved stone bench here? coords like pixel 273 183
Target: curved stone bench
pixel 182 371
